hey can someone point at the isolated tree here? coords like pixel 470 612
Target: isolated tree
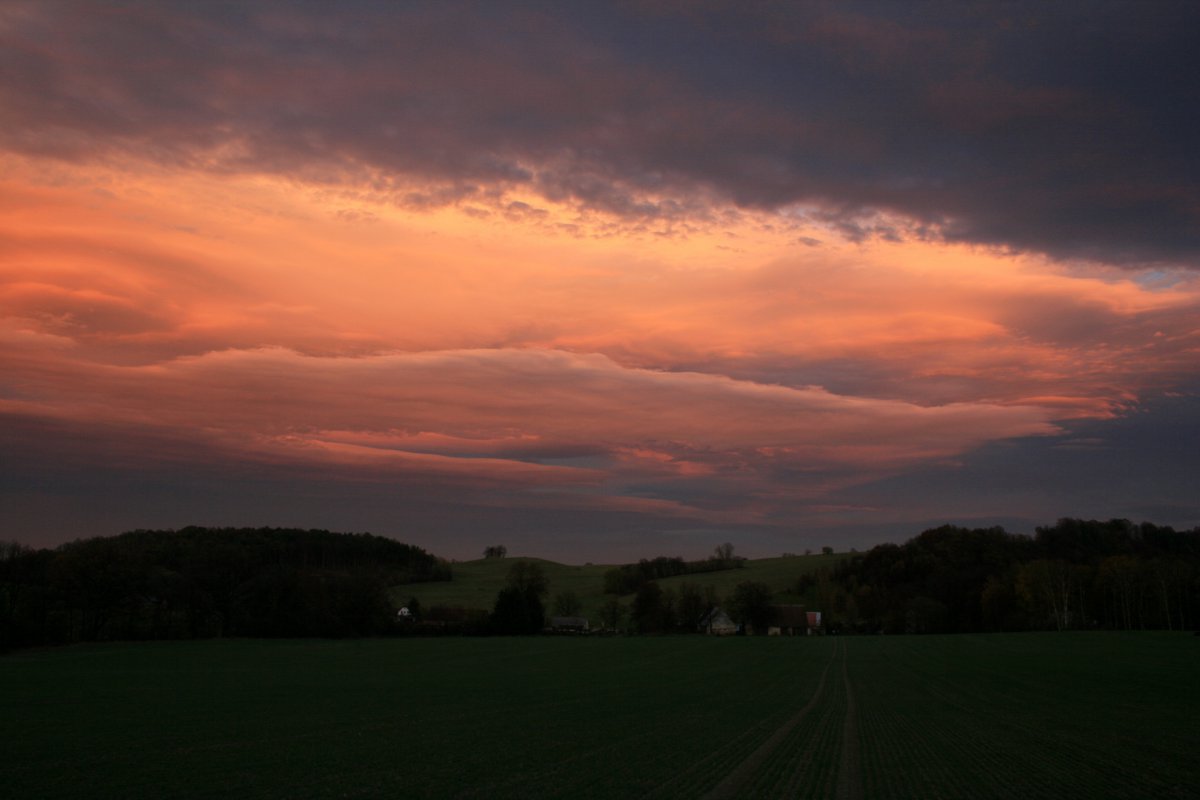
pixel 691 604
pixel 611 613
pixel 668 618
pixel 826 550
pixel 750 605
pixel 514 614
pixel 723 552
pixel 567 604
pixel 495 551
pixel 648 608
pixel 518 608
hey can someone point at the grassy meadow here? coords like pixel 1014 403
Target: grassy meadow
pixel 1086 715
pixel 476 583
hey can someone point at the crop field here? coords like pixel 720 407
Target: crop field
pixel 995 716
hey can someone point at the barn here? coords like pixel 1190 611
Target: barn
pixel 569 624
pixel 717 623
pixel 788 620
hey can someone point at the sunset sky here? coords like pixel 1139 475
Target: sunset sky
pixel 598 281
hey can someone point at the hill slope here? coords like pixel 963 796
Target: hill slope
pixel 476 583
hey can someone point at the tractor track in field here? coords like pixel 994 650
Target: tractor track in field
pixel 733 782
pixel 849 781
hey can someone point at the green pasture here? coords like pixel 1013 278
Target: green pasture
pixel 779 573
pixel 1079 715
pixel 476 583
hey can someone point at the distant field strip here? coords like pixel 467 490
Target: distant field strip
pixel 1031 716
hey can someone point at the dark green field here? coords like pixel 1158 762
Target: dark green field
pixel 1004 716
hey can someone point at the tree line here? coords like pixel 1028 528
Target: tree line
pixel 204 582
pixel 629 578
pixel 201 582
pixel 1073 575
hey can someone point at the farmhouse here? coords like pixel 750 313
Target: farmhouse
pixel 569 624
pixel 717 623
pixel 793 620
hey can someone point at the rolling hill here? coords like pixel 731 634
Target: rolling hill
pixel 476 583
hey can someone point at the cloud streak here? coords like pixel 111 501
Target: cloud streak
pixel 1054 129
pixel 419 405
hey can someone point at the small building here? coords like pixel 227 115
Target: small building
pixel 717 623
pixel 569 624
pixel 788 620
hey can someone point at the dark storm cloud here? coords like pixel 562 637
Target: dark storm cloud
pixel 1138 466
pixel 1063 128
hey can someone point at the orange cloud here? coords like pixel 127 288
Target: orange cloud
pixel 401 408
pixel 287 324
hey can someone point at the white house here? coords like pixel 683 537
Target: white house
pixel 717 623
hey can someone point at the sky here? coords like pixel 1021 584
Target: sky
pixel 598 281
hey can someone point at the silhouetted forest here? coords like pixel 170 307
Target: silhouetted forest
pixel 201 582
pixel 1075 574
